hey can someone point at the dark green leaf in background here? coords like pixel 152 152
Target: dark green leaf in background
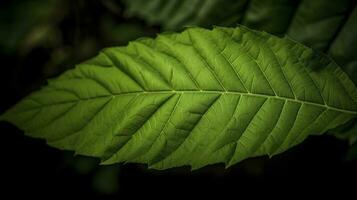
pixel 272 16
pixel 344 47
pixel 175 14
pixel 316 22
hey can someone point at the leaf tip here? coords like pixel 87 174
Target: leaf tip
pixel 195 167
pixel 152 167
pixel 107 162
pixel 228 165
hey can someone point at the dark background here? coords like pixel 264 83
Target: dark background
pixel 40 39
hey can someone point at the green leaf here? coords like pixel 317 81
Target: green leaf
pixel 193 98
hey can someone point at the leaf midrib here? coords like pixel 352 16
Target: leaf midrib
pixel 113 95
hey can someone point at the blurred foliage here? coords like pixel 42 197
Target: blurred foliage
pixel 343 49
pixel 347 131
pixel 176 14
pixel 105 178
pixel 272 16
pixel 317 22
pixel 352 153
pixel 25 24
pixel 81 164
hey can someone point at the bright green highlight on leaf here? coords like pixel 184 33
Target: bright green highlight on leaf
pixel 193 98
